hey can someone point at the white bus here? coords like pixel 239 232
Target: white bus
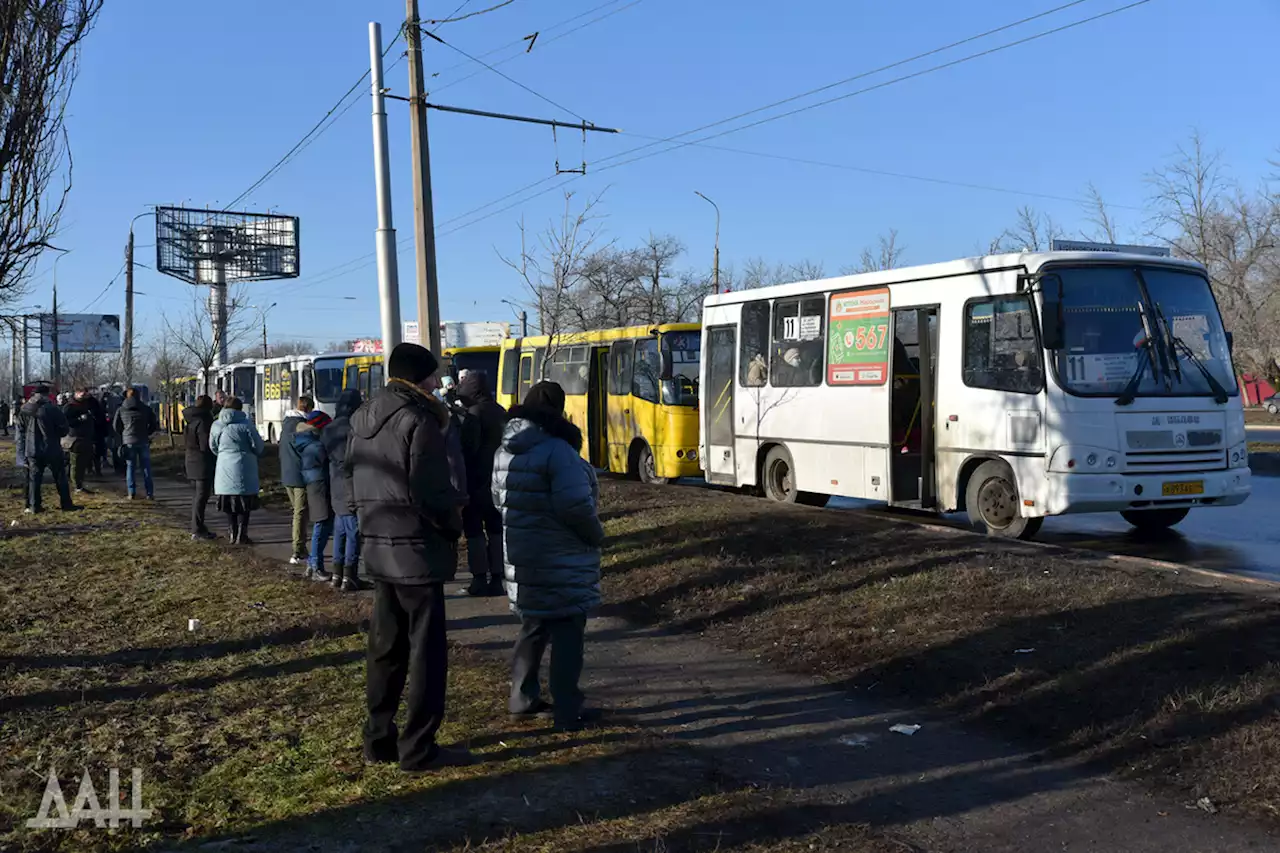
pixel 281 381
pixel 1013 387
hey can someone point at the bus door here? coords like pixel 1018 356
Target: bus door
pixel 912 408
pixel 621 421
pixel 717 404
pixel 598 407
pixel 527 379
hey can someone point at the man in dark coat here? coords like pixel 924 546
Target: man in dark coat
pixel 81 432
pixel 397 472
pixel 134 425
pixel 43 428
pixel 4 417
pixel 101 429
pixel 346 534
pixel 201 462
pixel 291 478
pixel 481 521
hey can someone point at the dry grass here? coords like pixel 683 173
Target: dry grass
pixel 1174 683
pixel 248 731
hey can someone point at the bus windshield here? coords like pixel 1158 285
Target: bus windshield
pixel 329 379
pixel 242 383
pixel 684 350
pixel 1105 335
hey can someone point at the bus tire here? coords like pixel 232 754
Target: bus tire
pixel 646 469
pixel 1149 520
pixel 271 433
pixel 994 505
pixel 778 480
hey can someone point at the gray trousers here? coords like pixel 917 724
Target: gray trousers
pixel 566 638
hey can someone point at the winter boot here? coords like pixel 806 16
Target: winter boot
pixel 339 571
pixel 478 563
pixel 496 569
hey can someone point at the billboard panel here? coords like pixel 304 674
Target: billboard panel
pixel 81 333
pixel 201 246
pixel 488 334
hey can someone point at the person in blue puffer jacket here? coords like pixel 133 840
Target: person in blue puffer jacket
pixel 315 477
pixel 236 442
pixel 548 496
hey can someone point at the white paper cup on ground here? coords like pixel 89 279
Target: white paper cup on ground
pixel 193 625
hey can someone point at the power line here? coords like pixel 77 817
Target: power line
pixel 313 132
pixel 99 297
pixel 522 43
pixel 452 20
pixel 506 77
pixel 701 142
pixel 877 86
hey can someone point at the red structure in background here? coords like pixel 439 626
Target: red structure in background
pixel 29 389
pixel 1255 390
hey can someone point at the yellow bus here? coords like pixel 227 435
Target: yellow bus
pixel 483 359
pixel 633 392
pixel 175 396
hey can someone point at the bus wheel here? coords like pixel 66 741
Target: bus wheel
pixel 271 433
pixel 1154 519
pixel 778 482
pixel 994 506
pixel 646 468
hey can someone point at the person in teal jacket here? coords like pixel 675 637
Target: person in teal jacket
pixel 237 444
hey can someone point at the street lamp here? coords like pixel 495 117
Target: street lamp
pixel 522 315
pixel 265 311
pixel 715 283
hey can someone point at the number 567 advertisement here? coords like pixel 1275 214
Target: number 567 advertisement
pixel 858 342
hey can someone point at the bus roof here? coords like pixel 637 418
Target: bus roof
pixel 463 350
pixel 602 335
pixel 1024 261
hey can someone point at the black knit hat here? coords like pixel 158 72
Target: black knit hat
pixel 548 396
pixel 411 362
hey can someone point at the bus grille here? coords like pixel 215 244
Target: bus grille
pixel 1155 461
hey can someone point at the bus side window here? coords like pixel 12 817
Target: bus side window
pixel 308 380
pixel 753 367
pixel 375 377
pixel 510 370
pixel 353 377
pixel 1001 351
pixel 648 366
pixel 620 364
pixel 798 342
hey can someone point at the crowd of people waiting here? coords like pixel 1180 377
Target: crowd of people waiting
pixel 396 480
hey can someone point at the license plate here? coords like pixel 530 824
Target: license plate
pixel 1195 487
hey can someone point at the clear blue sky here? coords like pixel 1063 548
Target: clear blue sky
pixel 190 103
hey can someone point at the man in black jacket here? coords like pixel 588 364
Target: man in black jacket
pixel 291 478
pixel 101 429
pixel 81 432
pixel 134 425
pixel 397 472
pixel 346 536
pixel 43 428
pixel 200 462
pixel 481 521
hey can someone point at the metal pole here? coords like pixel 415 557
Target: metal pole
pixel 264 336
pixel 15 390
pixel 57 356
pixel 385 236
pixel 524 323
pixel 26 355
pixel 423 216
pixel 128 311
pixel 715 283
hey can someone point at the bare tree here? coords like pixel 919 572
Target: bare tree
pixel 190 333
pixel 553 267
pixel 656 260
pixel 1104 226
pixel 886 256
pixel 1235 234
pixel 39 61
pixel 1033 232
pixel 168 364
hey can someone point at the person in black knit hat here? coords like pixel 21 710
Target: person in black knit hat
pixel 409 515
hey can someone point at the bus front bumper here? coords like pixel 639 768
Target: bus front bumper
pixel 1068 493
pixel 676 462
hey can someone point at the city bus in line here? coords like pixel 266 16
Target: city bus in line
pixel 632 391
pixel 1013 387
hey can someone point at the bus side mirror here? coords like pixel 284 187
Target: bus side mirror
pixel 1052 331
pixel 1231 344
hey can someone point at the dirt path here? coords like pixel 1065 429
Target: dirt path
pixel 945 788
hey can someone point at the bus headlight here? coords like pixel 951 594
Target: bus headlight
pixel 1091 460
pixel 692 455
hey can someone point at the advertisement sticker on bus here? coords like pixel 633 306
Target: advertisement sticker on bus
pixel 858 340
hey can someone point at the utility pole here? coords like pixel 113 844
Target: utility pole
pixel 128 311
pixel 524 323
pixel 423 214
pixel 265 351
pixel 57 355
pixel 385 236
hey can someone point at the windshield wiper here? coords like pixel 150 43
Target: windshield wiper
pixel 1130 392
pixel 1220 395
pixel 1171 342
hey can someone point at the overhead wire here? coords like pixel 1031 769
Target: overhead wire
pixel 105 290
pixel 884 84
